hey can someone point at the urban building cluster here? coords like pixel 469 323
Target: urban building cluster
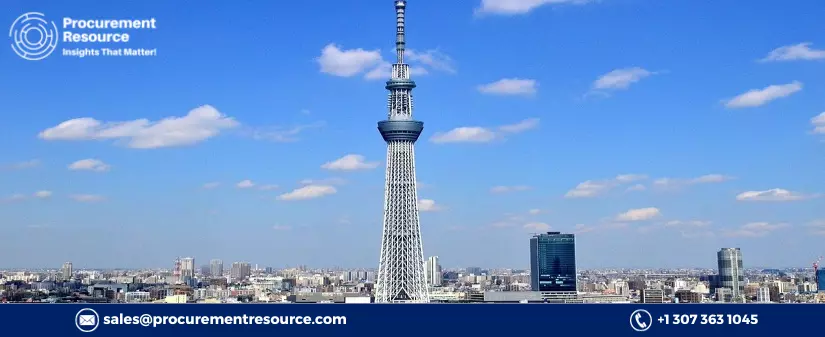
pixel 551 278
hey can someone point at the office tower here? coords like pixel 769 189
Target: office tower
pixel 401 267
pixel 187 267
pixel 652 296
pixel 432 270
pixel 216 268
pixel 66 271
pixel 731 273
pixel 553 262
pixel 206 270
pixel 820 280
pixel 240 271
pixel 473 270
pixel 763 295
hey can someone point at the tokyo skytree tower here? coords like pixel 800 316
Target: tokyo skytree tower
pixel 401 268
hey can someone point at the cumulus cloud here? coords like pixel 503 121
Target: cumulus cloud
pixel 428 205
pixel 245 184
pixel 510 86
pixel 89 165
pixel 754 229
pixel 799 51
pixel 86 197
pixel 819 123
pixel 593 188
pixel 350 162
pixel 515 7
pixel 308 192
pixel 478 134
pixel 774 194
pixel 639 214
pixel 198 125
pixel 759 97
pixel 370 63
pixel 42 194
pixel 620 78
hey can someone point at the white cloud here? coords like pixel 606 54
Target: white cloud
pixel 514 7
pixel 351 62
pixel 477 134
pixel 198 125
pixel 350 162
pixel 759 97
pixel 510 86
pixel 817 227
pixel 593 188
pixel 281 228
pixel 209 186
pixel 620 78
pixel 508 189
pixel 774 194
pixel 86 197
pixel 537 226
pixel 819 123
pixel 325 181
pixel 282 134
pixel 800 51
pixel 21 165
pixel 89 165
pixel 245 184
pixel 534 211
pixel 754 229
pixel 689 223
pixel 431 58
pixel 347 63
pixel 308 192
pixel 42 194
pixel 639 214
pixel 679 182
pixel 428 205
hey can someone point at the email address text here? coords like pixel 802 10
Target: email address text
pixel 156 320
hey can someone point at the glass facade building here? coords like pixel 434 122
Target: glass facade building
pixel 553 262
pixel 820 280
pixel 731 272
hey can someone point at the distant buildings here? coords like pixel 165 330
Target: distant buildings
pixel 432 270
pixel 652 296
pixel 553 262
pixel 216 268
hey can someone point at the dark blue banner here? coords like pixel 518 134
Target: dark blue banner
pixel 408 320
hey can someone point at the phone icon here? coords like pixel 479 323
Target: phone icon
pixel 641 320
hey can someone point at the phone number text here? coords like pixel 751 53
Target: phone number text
pixel 709 319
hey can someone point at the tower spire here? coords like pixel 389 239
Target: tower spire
pixel 400 44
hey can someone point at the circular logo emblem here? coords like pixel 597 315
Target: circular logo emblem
pixel 86 320
pixel 640 320
pixel 33 37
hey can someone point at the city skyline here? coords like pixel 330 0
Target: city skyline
pixel 523 135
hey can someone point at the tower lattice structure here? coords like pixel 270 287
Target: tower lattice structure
pixel 401 276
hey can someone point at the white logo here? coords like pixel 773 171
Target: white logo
pixel 86 320
pixel 33 37
pixel 640 320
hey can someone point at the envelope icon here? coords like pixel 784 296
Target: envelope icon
pixel 87 320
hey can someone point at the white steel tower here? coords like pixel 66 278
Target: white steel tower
pixel 401 268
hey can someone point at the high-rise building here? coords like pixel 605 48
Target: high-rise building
pixel 731 272
pixel 820 280
pixel 240 271
pixel 553 262
pixel 763 295
pixel 216 268
pixel 432 270
pixel 66 272
pixel 401 276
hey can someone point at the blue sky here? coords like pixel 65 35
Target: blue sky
pixel 659 131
